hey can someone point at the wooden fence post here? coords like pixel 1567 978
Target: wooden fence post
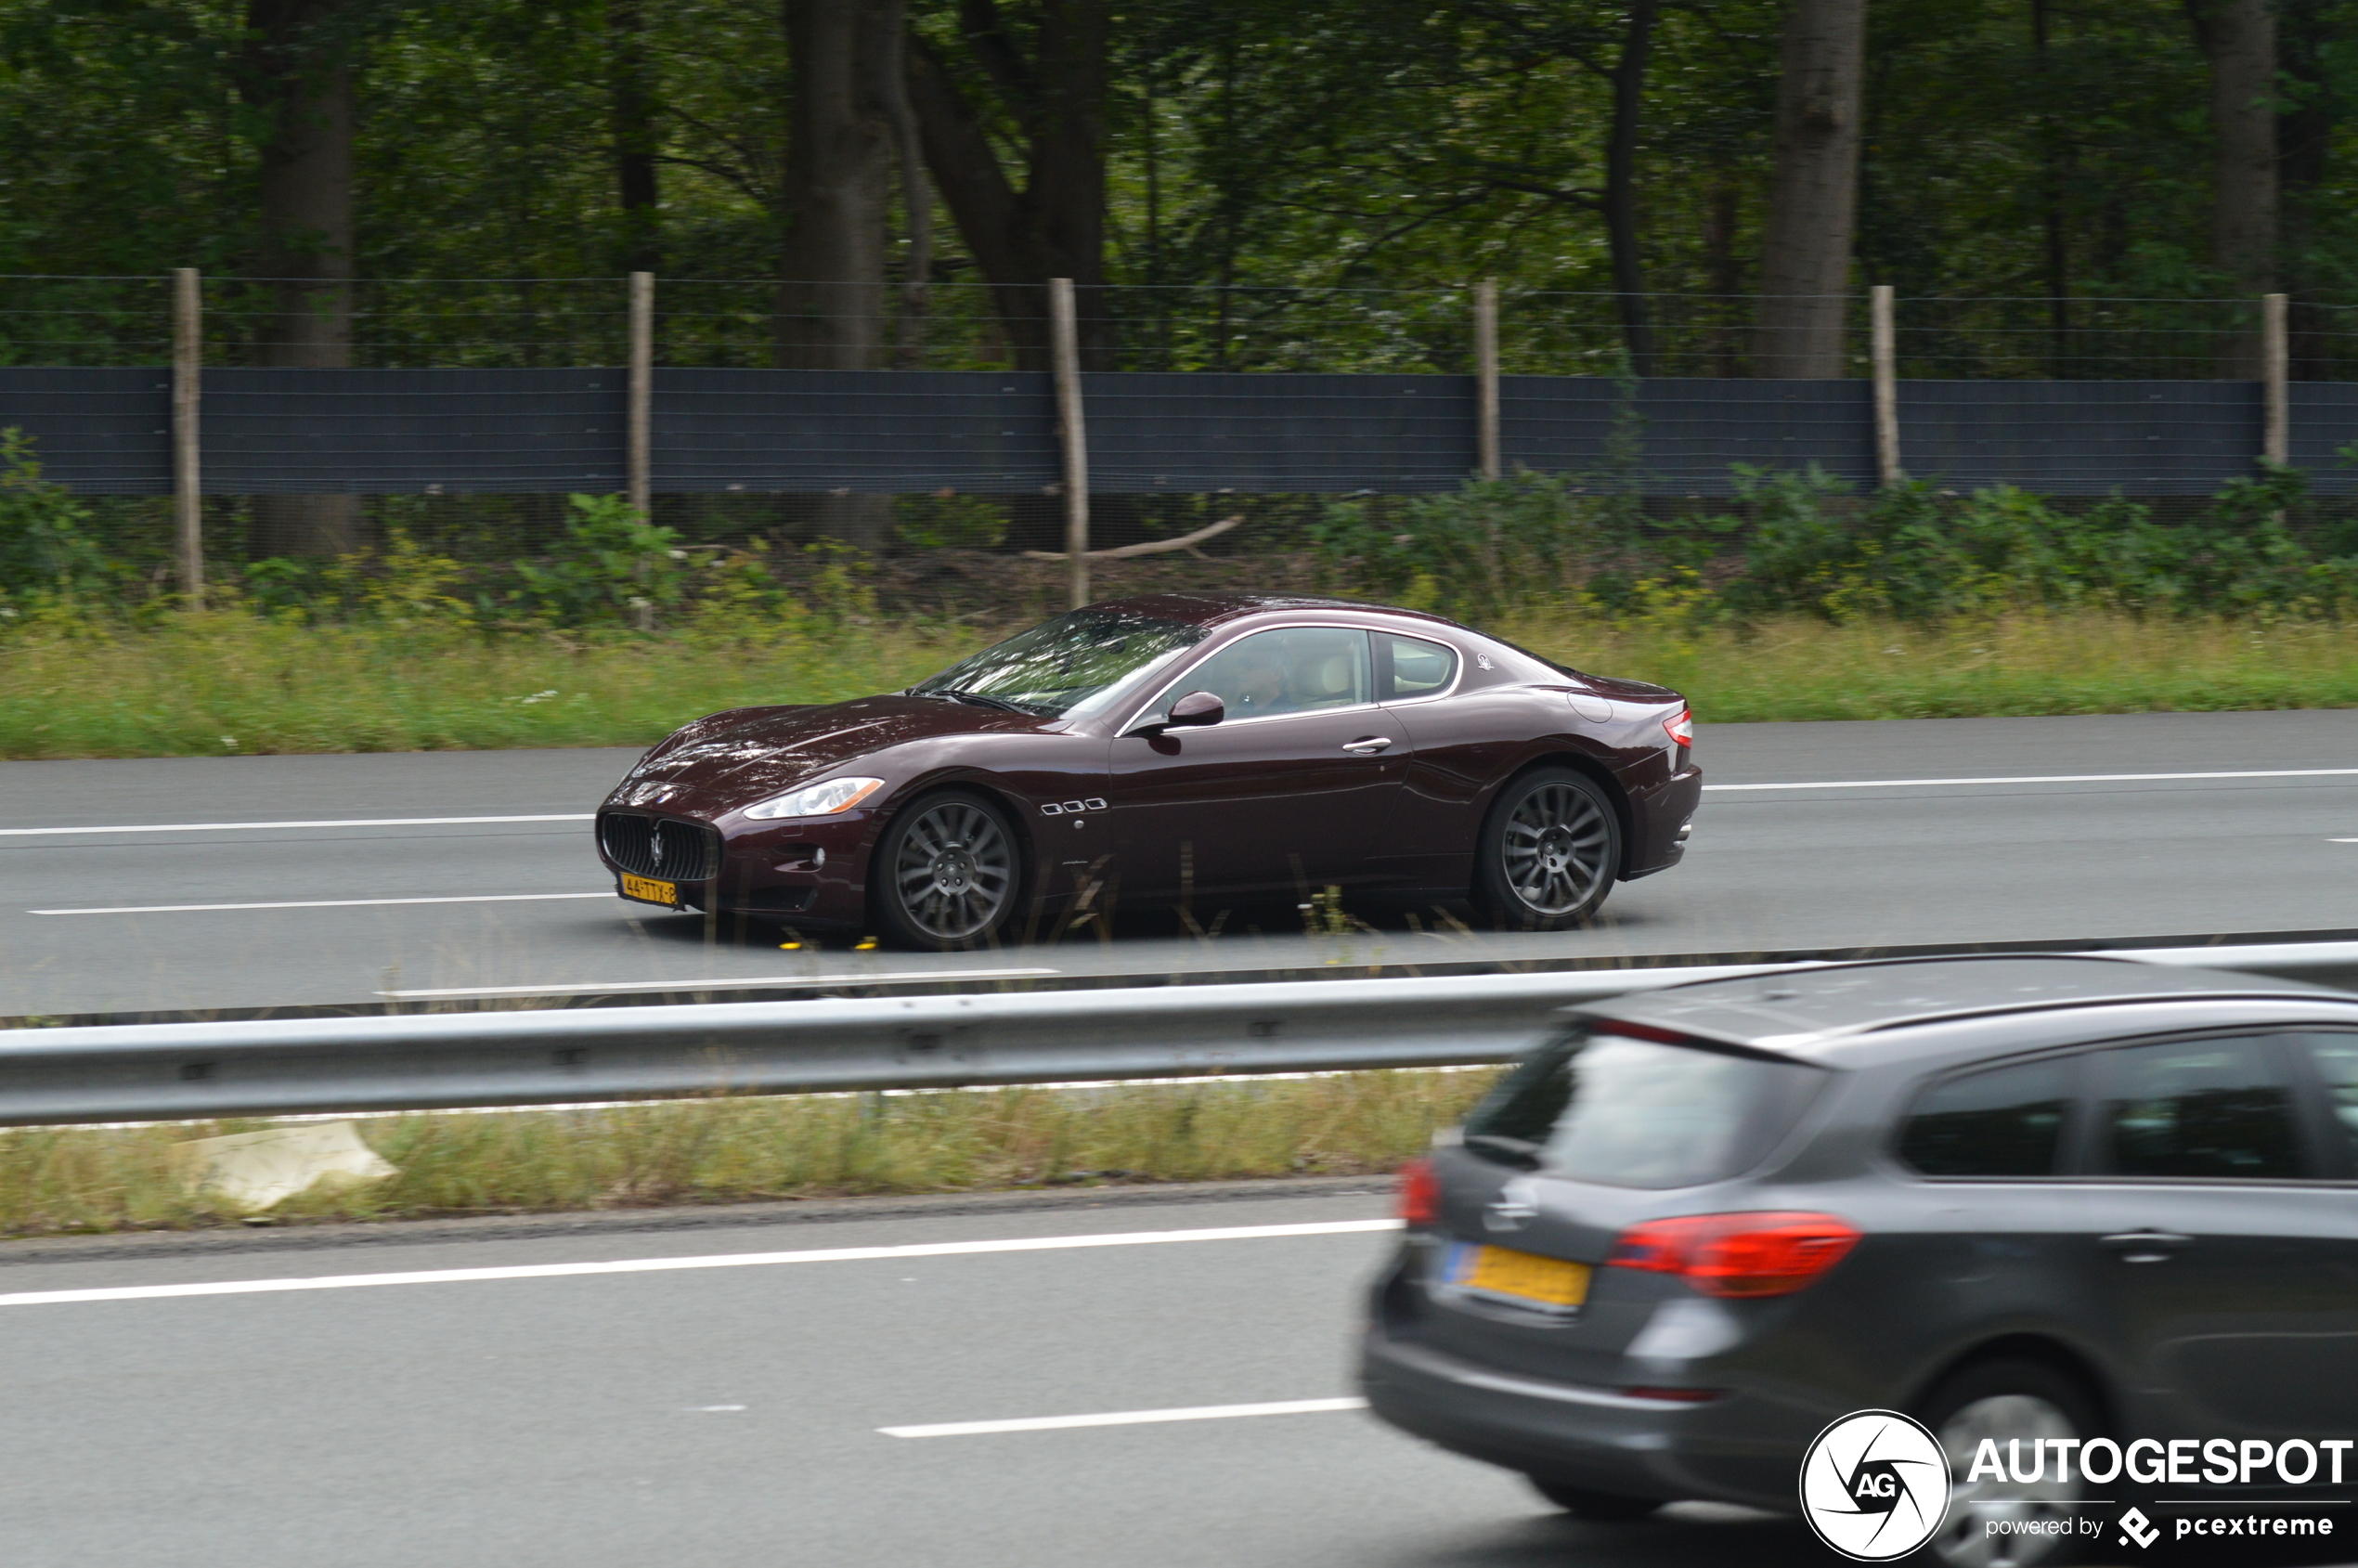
pixel 1485 326
pixel 2276 359
pixel 187 475
pixel 1888 473
pixel 1064 335
pixel 638 461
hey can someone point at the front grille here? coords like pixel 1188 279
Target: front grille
pixel 659 847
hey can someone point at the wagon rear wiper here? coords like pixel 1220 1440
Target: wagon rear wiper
pixel 1499 1146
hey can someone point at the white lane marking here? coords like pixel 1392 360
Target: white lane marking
pixel 2342 840
pixel 330 904
pixel 339 822
pixel 2049 778
pixel 711 1409
pixel 1128 1418
pixel 663 1265
pixel 758 982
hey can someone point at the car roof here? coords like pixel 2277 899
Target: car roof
pixel 1213 609
pixel 1804 1012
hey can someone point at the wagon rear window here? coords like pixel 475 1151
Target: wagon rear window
pixel 1640 1113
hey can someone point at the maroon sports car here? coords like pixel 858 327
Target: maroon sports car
pixel 1167 748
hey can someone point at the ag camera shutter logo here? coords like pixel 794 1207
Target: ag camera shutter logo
pixel 1874 1485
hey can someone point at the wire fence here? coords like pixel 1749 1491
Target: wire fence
pixel 741 323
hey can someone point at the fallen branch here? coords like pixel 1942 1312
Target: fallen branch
pixel 1185 541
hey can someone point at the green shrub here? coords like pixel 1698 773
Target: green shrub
pixel 47 554
pixel 612 568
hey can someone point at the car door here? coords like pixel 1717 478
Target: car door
pixel 2210 1227
pixel 1291 789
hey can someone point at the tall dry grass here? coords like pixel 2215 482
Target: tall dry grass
pixel 234 684
pixel 69 1179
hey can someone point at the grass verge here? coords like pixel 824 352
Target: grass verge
pixel 231 683
pixel 56 1180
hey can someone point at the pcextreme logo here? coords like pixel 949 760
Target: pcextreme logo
pixel 1874 1485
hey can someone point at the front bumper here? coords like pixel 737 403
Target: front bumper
pixel 807 871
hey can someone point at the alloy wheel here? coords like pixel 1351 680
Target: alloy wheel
pixel 1556 848
pixel 2022 1421
pixel 954 871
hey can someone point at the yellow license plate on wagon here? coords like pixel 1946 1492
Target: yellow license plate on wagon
pixel 1525 1276
pixel 648 890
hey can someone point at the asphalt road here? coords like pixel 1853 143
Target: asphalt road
pixel 732 1416
pixel 2000 846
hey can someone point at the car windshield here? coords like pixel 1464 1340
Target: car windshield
pixel 1070 667
pixel 1623 1112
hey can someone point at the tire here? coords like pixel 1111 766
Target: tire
pixel 1602 1506
pixel 2005 1399
pixel 1549 850
pixel 948 873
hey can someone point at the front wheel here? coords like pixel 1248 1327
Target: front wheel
pixel 1549 850
pixel 947 875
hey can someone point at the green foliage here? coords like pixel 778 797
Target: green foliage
pixel 47 558
pixel 613 568
pixel 1801 543
pixel 1473 552
pixel 949 520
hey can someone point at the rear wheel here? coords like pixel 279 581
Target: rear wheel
pixel 946 873
pixel 1549 850
pixel 2016 1401
pixel 1603 1507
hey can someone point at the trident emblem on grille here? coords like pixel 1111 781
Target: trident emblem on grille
pixel 654 849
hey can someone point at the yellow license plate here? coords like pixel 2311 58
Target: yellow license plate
pixel 1500 1271
pixel 649 891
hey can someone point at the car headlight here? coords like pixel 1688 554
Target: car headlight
pixel 822 799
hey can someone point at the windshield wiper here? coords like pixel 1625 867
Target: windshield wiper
pixel 1514 1152
pixel 1000 704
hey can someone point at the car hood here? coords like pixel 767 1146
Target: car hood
pixel 735 758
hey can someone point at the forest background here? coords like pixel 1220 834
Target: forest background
pixel 1234 185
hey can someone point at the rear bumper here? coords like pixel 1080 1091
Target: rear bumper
pixel 1735 1449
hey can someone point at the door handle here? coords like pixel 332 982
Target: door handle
pixel 2147 1246
pixel 1367 745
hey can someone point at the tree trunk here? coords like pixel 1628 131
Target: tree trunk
pixel 1053 227
pixel 838 183
pixel 296 73
pixel 1813 191
pixel 831 305
pixel 630 90
pixel 1621 188
pixel 2304 140
pixel 2239 39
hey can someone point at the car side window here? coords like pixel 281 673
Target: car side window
pixel 2336 1056
pixel 2215 1108
pixel 1415 668
pixel 1292 670
pixel 2006 1122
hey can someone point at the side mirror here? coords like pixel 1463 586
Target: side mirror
pixel 1197 709
pixel 1191 712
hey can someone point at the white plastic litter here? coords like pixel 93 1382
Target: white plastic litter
pixel 254 1170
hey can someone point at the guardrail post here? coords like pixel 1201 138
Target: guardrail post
pixel 1886 335
pixel 188 477
pixel 642 386
pixel 1485 326
pixel 1065 341
pixel 2276 362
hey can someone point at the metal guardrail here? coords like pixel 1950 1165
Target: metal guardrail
pixel 160 1072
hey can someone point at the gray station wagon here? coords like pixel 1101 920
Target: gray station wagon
pixel 2015 1197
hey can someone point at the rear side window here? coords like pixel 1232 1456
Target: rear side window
pixel 2008 1121
pixel 1640 1113
pixel 2216 1108
pixel 2337 1060
pixel 1415 668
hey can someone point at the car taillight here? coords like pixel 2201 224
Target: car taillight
pixel 1738 1255
pixel 1420 1194
pixel 1681 729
